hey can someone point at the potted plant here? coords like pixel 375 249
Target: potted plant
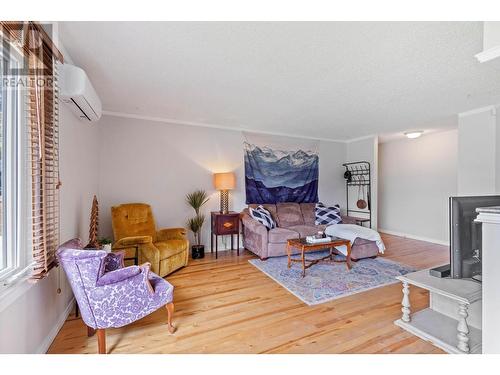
pixel 106 244
pixel 196 200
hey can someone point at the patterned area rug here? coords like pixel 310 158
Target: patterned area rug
pixel 328 281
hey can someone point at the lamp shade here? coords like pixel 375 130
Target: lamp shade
pixel 224 181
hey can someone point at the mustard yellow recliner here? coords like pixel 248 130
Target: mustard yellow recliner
pixel 134 226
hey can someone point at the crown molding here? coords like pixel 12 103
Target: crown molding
pixel 217 126
pixel 361 138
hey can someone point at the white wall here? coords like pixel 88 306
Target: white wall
pixel 158 163
pixel 477 152
pixel 331 173
pixel 416 177
pixel 497 153
pixel 365 149
pixel 491 36
pixel 31 321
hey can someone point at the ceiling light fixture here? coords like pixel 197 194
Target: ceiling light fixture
pixel 414 134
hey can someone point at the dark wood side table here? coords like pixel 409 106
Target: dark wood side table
pixel 222 225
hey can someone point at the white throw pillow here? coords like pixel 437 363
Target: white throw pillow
pixel 263 216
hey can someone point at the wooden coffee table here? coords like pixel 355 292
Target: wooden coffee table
pixel 304 246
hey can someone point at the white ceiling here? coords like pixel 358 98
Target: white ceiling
pixel 335 80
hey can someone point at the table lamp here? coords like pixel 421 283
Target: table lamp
pixel 224 182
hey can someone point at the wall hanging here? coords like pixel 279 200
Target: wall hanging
pixel 280 169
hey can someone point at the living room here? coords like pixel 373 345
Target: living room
pixel 285 185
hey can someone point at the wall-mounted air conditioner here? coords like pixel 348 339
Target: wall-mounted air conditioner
pixel 78 93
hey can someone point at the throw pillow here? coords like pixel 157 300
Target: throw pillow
pixel 327 215
pixel 263 216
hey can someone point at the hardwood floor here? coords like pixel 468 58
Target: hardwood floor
pixel 228 306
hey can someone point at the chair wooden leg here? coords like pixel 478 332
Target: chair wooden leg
pixel 170 315
pixel 90 331
pixel 101 341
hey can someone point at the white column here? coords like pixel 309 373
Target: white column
pixel 490 219
pixel 463 328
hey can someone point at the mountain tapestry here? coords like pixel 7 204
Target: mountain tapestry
pixel 280 169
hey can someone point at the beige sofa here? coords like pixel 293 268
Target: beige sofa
pixel 294 220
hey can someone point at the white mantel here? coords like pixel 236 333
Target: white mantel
pixel 490 219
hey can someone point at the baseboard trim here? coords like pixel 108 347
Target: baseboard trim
pixel 414 237
pixel 45 345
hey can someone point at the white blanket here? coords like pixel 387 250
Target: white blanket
pixel 351 232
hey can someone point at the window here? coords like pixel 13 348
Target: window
pixel 30 151
pixel 15 253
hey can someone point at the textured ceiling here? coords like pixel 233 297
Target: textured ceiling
pixel 335 80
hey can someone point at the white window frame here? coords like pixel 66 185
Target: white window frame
pixel 16 247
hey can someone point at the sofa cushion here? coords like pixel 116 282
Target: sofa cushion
pixel 308 213
pixel 306 230
pixel 281 235
pixel 289 214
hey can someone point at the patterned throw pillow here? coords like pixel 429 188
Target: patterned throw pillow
pixel 327 215
pixel 263 216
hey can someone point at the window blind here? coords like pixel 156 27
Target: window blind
pixel 43 126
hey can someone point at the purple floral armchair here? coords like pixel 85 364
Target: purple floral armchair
pixel 110 295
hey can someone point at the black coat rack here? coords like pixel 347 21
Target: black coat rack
pixel 358 174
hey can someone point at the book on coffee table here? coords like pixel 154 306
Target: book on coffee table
pixel 313 239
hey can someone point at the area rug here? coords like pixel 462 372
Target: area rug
pixel 325 282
